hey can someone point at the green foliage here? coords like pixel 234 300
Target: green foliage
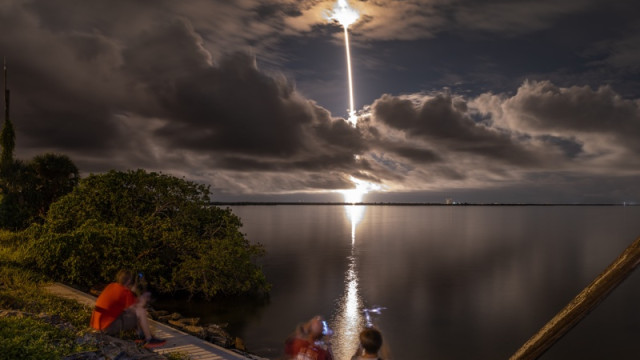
pixel 16 184
pixel 156 224
pixel 30 188
pixel 31 338
pixel 21 289
pixel 56 175
pixel 177 356
pixel 27 338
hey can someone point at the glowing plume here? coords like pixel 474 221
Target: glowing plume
pixel 345 15
pixel 362 187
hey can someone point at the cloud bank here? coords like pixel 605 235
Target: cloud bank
pixel 177 88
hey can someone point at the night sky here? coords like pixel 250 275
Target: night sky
pixel 475 100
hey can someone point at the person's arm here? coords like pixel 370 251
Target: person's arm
pixel 129 299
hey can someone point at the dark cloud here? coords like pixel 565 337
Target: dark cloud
pixel 598 118
pixel 414 153
pixel 514 18
pixel 444 121
pixel 201 89
pixel 544 107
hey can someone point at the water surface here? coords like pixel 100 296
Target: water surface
pixel 468 282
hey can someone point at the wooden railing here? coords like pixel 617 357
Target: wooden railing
pixel 581 305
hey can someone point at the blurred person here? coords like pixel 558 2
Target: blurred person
pixel 306 343
pixel 118 309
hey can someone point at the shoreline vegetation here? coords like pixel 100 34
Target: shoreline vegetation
pixel 162 227
pixel 37 324
pixel 157 225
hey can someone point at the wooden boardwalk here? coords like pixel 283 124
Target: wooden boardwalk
pixel 177 341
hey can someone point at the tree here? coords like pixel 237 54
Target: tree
pixel 30 188
pixel 56 175
pixel 16 184
pixel 8 141
pixel 159 225
pixel 7 136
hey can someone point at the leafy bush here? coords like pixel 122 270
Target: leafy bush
pixel 28 189
pixel 159 225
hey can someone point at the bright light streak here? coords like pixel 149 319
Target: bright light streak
pixel 348 320
pixel 345 16
pixel 362 187
pixel 355 213
pixel 353 119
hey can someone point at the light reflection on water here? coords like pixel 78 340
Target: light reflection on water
pixel 355 213
pixel 348 319
pixel 469 282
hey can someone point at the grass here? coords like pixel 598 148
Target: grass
pixel 28 338
pixel 33 337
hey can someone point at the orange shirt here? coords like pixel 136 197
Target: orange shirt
pixel 113 300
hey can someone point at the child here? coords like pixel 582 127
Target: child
pixel 370 343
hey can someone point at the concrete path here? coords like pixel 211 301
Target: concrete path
pixel 177 341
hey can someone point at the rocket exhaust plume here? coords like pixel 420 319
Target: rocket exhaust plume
pixel 345 16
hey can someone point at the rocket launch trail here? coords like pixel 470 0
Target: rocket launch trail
pixel 352 111
pixel 345 16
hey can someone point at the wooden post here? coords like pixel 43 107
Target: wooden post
pixel 581 305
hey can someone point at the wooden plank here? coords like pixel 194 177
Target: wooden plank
pixel 581 305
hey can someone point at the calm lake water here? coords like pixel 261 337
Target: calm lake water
pixel 468 282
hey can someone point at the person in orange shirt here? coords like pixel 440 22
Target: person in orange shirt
pixel 118 309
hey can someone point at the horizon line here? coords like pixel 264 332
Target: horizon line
pixel 364 203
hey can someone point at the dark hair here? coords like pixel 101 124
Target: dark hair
pixel 124 277
pixel 371 340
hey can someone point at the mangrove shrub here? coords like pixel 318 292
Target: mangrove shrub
pixel 29 188
pixel 159 225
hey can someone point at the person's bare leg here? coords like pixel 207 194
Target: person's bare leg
pixel 143 322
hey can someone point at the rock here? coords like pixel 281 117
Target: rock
pixel 239 344
pixel 87 339
pixel 218 336
pixel 56 321
pixel 158 313
pixel 184 322
pixel 190 321
pixel 166 318
pixel 195 330
pixel 111 348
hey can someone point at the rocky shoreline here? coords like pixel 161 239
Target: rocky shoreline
pixel 213 333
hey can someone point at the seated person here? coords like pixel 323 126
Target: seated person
pixel 306 343
pixel 370 343
pixel 118 309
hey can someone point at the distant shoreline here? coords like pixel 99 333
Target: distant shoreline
pixel 285 203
